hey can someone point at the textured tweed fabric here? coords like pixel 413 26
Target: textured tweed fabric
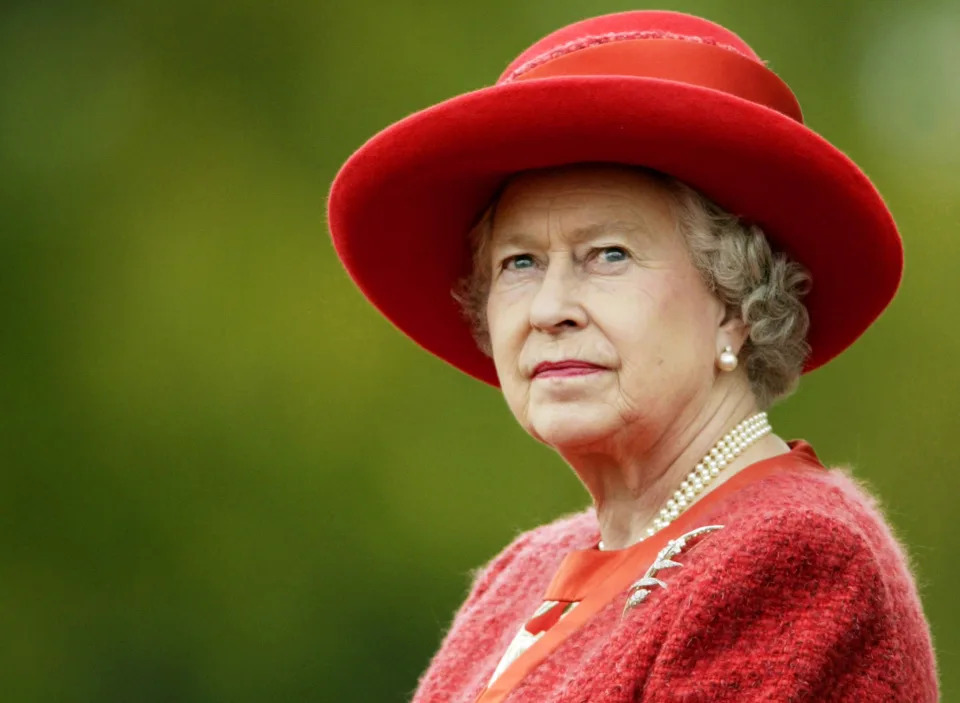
pixel 805 595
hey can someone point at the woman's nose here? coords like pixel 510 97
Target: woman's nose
pixel 556 304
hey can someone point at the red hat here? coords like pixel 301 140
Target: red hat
pixel 664 90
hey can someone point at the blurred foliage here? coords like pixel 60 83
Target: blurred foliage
pixel 225 477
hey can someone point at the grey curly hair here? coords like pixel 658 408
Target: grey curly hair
pixel 762 287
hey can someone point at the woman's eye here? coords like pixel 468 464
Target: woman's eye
pixel 612 255
pixel 518 261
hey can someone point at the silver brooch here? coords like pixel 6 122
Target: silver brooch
pixel 642 588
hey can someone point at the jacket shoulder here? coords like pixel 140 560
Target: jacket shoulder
pixel 823 505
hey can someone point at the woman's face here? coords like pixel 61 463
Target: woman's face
pixel 589 268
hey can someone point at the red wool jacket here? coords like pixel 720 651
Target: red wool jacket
pixel 804 595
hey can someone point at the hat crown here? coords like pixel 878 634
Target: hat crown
pixel 657 45
pixel 619 26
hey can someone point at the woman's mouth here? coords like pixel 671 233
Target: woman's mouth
pixel 569 367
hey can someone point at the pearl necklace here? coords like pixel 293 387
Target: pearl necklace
pixel 730 446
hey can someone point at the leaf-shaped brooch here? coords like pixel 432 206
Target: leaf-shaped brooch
pixel 643 587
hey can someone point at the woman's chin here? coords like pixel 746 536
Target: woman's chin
pixel 570 428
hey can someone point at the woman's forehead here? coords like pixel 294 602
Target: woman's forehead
pixel 581 200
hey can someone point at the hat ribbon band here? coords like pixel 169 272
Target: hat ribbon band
pixel 681 60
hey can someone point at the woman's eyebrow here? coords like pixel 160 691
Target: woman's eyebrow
pixel 513 238
pixel 519 238
pixel 588 232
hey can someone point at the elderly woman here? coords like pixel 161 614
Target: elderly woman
pixel 648 248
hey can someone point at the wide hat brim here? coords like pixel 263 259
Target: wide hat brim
pixel 402 205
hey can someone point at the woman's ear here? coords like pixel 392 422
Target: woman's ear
pixel 733 333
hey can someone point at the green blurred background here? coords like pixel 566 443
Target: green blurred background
pixel 225 477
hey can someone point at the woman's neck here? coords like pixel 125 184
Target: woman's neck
pixel 630 484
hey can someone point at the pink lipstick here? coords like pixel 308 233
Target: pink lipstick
pixel 569 367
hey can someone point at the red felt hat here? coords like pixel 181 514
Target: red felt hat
pixel 664 90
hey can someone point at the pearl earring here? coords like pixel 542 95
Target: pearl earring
pixel 727 360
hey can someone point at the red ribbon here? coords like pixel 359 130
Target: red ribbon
pixel 685 61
